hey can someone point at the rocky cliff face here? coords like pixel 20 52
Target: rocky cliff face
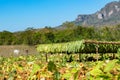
pixel 109 15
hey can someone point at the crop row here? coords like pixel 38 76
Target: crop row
pixel 78 47
pixel 33 68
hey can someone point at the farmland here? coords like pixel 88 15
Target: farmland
pixel 35 67
pixel 59 40
pixel 62 61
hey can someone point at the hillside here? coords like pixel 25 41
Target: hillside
pixel 108 15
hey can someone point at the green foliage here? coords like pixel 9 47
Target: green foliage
pixel 77 47
pixel 118 51
pixel 105 70
pixel 69 47
pixel 6 38
pixel 109 66
pixel 32 68
pixel 96 71
pixel 57 75
pixel 67 76
pixel 36 67
pixel 51 66
pixel 49 37
pixel 66 33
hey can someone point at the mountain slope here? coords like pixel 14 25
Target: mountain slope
pixel 109 15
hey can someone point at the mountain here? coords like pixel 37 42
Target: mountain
pixel 109 15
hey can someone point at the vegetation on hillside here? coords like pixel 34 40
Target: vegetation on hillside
pixel 68 32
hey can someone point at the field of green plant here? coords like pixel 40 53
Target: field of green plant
pixel 65 61
pixel 34 67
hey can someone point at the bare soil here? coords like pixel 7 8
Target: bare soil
pixel 8 50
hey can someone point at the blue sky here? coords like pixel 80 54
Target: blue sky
pixel 17 15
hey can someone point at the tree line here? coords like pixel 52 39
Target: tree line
pixel 67 32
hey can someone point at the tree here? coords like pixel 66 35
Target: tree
pixel 6 38
pixel 49 37
pixel 37 38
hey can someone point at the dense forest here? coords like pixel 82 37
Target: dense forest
pixel 67 32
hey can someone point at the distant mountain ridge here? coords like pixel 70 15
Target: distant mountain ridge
pixel 109 15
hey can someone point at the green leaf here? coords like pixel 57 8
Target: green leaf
pixel 51 66
pixel 96 70
pixel 35 69
pixel 74 70
pixel 76 75
pixel 109 66
pixel 11 78
pixel 57 75
pixel 103 77
pixel 67 76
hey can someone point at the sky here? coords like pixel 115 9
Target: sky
pixel 18 15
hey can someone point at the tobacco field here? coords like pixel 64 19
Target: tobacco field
pixel 63 62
